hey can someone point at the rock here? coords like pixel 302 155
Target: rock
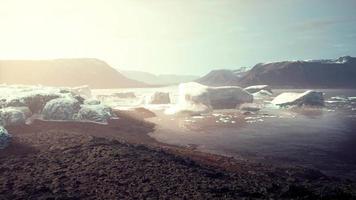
pixel 257 88
pixel 5 138
pixel 61 109
pixel 12 116
pixel 197 98
pixel 160 98
pixel 124 95
pixel 95 113
pixel 310 97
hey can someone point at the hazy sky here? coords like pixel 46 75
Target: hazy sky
pixel 178 36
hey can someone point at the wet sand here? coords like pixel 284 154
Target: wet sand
pixel 76 160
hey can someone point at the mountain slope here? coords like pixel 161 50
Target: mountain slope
pixel 336 73
pixel 330 73
pixel 221 77
pixel 164 79
pixel 64 72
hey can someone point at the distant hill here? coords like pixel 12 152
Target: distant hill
pixel 164 79
pixel 64 72
pixel 332 73
pixel 329 73
pixel 222 77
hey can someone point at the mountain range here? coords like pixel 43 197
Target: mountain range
pixel 163 79
pixel 328 73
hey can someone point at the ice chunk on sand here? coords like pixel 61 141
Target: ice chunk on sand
pixel 257 88
pixel 160 98
pixel 61 109
pixel 309 97
pixel 34 100
pixel 5 138
pixel 95 113
pixel 12 116
pixel 197 98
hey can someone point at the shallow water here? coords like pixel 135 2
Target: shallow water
pixel 321 138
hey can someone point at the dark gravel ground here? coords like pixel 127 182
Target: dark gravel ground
pixel 52 160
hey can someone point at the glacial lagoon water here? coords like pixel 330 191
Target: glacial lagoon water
pixel 320 138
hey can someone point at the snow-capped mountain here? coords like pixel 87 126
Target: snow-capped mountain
pixel 327 73
pixel 333 73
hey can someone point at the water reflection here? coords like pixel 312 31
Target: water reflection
pixel 322 138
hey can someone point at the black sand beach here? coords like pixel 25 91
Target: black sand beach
pixel 76 160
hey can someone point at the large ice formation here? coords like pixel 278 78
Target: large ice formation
pixel 61 109
pixel 310 97
pixel 95 113
pixel 197 98
pixel 257 88
pixel 83 91
pixel 160 98
pixel 12 116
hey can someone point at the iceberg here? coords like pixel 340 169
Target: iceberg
pixel 61 109
pixel 310 97
pixel 95 113
pixel 34 97
pixel 262 94
pixel 258 88
pixel 12 116
pixel 196 98
pixel 160 98
pixel 20 103
pixel 83 91
pixel 35 102
pixel 5 138
pixel 352 99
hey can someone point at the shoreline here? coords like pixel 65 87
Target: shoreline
pixel 70 159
